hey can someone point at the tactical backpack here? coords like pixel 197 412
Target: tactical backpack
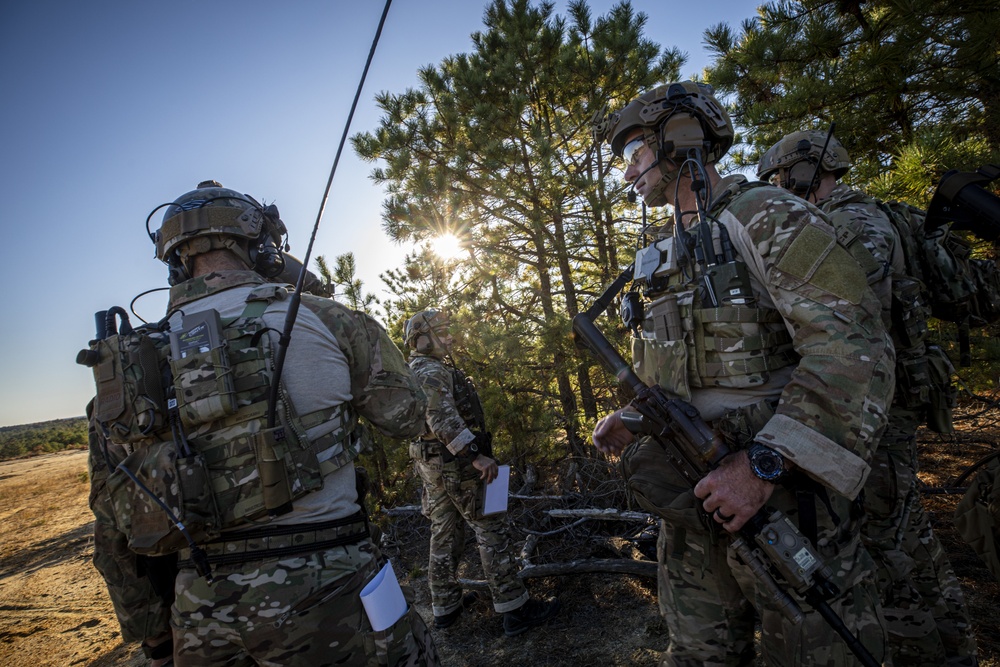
pixel 962 290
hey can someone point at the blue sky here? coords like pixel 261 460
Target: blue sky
pixel 111 108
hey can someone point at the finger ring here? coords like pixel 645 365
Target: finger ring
pixel 725 519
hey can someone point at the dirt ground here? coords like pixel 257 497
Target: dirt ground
pixel 56 610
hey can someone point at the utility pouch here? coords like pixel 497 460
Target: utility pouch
pixel 913 382
pixel 130 398
pixel 943 395
pixel 203 378
pixel 181 483
pixel 910 311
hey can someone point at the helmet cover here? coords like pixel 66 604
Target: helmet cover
pixel 676 119
pixel 798 147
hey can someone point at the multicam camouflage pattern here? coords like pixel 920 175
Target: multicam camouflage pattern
pixel 443 420
pixel 451 495
pixel 711 601
pixel 386 392
pixel 293 611
pixel 921 598
pixel 141 612
pixel 833 403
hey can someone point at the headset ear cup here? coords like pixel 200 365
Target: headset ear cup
pixel 268 261
pixel 800 176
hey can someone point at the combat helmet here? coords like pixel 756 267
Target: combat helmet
pixel 424 332
pixel 679 121
pixel 212 217
pixel 791 163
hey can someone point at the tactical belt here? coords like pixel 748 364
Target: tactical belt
pixel 280 541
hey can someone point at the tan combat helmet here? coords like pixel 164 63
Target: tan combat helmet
pixel 212 217
pixel 678 121
pixel 791 163
pixel 424 331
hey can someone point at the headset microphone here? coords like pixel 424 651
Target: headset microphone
pixel 631 196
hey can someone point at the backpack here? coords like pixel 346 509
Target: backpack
pixel 939 258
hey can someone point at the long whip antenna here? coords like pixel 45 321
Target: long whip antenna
pixel 293 306
pixel 819 163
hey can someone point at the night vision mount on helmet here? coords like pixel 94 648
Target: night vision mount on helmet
pixel 679 121
pixel 793 160
pixel 212 217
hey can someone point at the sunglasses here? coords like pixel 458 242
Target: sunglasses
pixel 632 151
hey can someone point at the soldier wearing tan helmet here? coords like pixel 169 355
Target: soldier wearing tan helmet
pixel 751 310
pixel 244 481
pixel 453 458
pixel 921 598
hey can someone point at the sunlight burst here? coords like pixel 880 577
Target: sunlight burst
pixel 447 246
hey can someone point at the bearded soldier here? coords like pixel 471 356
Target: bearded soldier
pixel 751 311
pixel 204 452
pixel 453 460
pixel 921 598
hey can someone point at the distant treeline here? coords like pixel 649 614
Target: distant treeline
pixel 41 437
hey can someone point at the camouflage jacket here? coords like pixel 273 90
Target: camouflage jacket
pixel 443 421
pixel 834 403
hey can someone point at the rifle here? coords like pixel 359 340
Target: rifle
pixel 769 542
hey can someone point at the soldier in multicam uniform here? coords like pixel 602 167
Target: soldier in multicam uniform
pixel 921 598
pixel 453 462
pixel 755 314
pixel 286 543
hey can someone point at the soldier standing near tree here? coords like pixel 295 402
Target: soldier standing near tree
pixel 453 460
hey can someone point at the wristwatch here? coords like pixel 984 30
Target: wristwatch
pixel 766 463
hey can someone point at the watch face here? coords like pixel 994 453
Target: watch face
pixel 766 463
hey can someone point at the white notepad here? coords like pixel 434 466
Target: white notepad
pixel 496 492
pixel 383 599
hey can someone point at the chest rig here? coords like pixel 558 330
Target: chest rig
pixel 695 320
pixel 191 409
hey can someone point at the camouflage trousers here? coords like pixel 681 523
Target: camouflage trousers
pixel 711 600
pixel 300 610
pixel 921 598
pixel 450 499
